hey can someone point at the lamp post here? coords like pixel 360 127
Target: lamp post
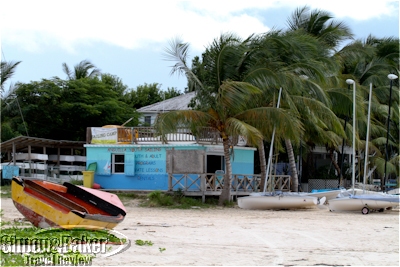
pixel 342 158
pixel 353 175
pixel 391 78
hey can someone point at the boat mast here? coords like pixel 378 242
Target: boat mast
pixel 272 146
pixel 367 138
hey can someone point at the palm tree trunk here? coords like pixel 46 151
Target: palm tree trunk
pixel 263 165
pixel 292 166
pixel 334 162
pixel 226 189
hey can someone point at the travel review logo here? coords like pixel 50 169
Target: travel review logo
pixel 63 249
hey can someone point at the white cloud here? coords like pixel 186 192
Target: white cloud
pixel 355 9
pixel 35 25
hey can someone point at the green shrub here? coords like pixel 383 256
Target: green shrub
pixel 159 199
pixel 76 182
pixel 176 200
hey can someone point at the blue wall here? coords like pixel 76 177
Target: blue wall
pixel 145 166
pixel 242 161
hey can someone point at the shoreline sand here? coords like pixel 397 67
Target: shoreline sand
pixel 237 237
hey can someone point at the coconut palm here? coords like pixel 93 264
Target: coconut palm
pixel 331 33
pixel 369 61
pixel 7 71
pixel 84 69
pixel 231 107
pixel 272 60
pixel 319 23
pixel 301 65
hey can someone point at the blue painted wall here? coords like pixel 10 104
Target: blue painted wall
pixel 243 161
pixel 145 166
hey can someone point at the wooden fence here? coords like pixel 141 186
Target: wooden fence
pixel 211 184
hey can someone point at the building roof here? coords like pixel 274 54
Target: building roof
pixel 22 142
pixel 176 103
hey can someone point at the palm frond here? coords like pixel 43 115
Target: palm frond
pixel 235 127
pixel 7 70
pixel 178 53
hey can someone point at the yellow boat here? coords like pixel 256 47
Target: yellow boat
pixel 46 204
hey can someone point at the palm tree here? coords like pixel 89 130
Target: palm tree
pixel 231 107
pixel 319 23
pixel 370 61
pixel 300 64
pixel 7 71
pixel 84 69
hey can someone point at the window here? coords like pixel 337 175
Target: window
pixel 147 120
pixel 118 163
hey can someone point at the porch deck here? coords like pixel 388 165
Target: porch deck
pixel 211 184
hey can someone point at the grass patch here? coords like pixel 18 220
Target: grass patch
pixel 140 242
pixel 76 182
pixel 176 200
pixel 5 191
pixel 127 197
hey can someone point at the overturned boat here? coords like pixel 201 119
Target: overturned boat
pixel 278 200
pixel 46 204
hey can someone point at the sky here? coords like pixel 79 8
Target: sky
pixel 128 38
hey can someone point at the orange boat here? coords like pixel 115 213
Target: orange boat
pixel 46 204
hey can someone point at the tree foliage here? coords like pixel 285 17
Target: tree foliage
pixel 7 70
pixel 62 109
pixel 84 69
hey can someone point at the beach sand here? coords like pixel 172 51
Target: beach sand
pixel 237 237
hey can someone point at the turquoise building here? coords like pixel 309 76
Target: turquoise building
pixel 148 166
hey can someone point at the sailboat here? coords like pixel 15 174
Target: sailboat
pixel 327 193
pixel 365 201
pixel 278 199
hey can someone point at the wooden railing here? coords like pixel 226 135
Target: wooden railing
pixel 130 135
pixel 212 184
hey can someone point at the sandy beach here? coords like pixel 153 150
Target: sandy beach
pixel 237 237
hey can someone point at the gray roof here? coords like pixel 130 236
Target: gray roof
pixel 176 103
pixel 22 142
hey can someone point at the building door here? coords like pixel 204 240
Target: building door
pixel 215 163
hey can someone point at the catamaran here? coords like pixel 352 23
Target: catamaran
pixel 278 199
pixel 362 200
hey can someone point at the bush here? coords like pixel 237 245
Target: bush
pixel 175 200
pixel 76 182
pixel 159 199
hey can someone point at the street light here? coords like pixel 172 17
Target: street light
pixel 342 158
pixel 353 175
pixel 391 77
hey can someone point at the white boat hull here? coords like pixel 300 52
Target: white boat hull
pixel 328 194
pixel 357 203
pixel 265 202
